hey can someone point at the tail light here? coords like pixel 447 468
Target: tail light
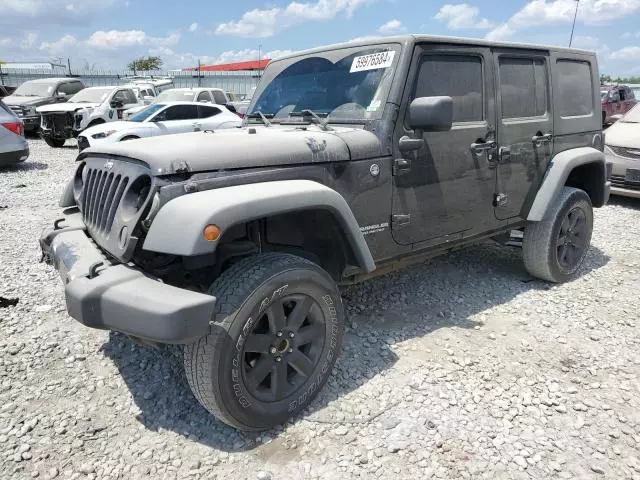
pixel 15 127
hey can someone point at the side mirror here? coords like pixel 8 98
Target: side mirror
pixel 431 114
pixel 61 96
pixel 116 104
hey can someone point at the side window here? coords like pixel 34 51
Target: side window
pixel 64 88
pixel 207 111
pixel 75 87
pixel 218 97
pixel 575 84
pixel 181 112
pixel 615 96
pixel 623 95
pixel 130 97
pixel 523 87
pixel 119 96
pixel 457 76
pixel 204 97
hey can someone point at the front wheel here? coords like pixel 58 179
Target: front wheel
pixel 54 142
pixel 275 337
pixel 555 248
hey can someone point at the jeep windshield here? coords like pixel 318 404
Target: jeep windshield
pixel 348 85
pixel 34 89
pixel 91 95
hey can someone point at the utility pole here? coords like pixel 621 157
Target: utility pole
pixel 69 65
pixel 199 72
pixel 259 60
pixel 575 16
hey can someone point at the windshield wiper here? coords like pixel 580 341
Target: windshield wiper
pixel 261 116
pixel 315 118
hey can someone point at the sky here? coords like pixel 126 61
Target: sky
pixel 107 34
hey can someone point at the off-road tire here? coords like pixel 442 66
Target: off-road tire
pixel 216 365
pixel 542 240
pixel 54 142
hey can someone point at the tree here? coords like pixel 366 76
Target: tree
pixel 145 64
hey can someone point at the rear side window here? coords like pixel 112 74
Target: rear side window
pixel 204 97
pixel 575 83
pixel 523 87
pixel 207 112
pixel 218 97
pixel 457 76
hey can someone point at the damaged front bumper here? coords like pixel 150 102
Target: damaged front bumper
pixel 121 297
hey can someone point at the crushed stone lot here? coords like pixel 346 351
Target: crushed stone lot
pixel 463 367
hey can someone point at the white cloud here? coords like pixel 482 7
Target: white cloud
pixel 115 39
pixel 462 17
pixel 29 40
pixel 261 23
pixel 50 12
pixel 193 27
pixel 626 53
pixel 61 46
pixel 5 42
pixel 503 32
pixel 628 35
pixel 392 27
pixel 537 13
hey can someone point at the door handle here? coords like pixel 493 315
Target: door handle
pixel 538 140
pixel 481 147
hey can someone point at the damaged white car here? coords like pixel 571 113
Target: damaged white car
pixel 89 107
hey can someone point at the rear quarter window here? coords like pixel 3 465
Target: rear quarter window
pixel 575 84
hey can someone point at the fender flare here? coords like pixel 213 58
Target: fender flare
pixel 178 225
pixel 556 177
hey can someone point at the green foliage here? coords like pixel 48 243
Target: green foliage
pixel 145 64
pixel 609 79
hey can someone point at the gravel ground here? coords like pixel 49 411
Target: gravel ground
pixel 464 367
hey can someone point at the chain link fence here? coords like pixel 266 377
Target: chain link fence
pixel 239 82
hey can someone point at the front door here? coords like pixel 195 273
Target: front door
pixel 524 130
pixel 444 189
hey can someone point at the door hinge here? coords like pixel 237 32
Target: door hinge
pixel 401 166
pixel 400 221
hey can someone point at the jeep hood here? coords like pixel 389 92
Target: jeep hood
pixel 20 100
pixel 66 107
pixel 245 148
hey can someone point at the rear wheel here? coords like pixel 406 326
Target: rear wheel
pixel 273 343
pixel 54 142
pixel 555 248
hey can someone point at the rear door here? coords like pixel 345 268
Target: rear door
pixel 525 126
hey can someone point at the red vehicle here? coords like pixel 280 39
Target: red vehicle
pixel 616 101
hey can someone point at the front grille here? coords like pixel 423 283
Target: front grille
pixel 626 152
pixel 17 109
pixel 621 181
pixel 113 195
pixel 58 122
pixel 83 143
pixel 102 195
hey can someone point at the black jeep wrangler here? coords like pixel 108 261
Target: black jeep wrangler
pixel 355 159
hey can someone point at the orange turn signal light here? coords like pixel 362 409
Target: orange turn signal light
pixel 211 233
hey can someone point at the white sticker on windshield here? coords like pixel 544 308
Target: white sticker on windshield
pixel 372 61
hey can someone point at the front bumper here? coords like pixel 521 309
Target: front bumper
pixel 31 123
pixel 120 297
pixel 622 181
